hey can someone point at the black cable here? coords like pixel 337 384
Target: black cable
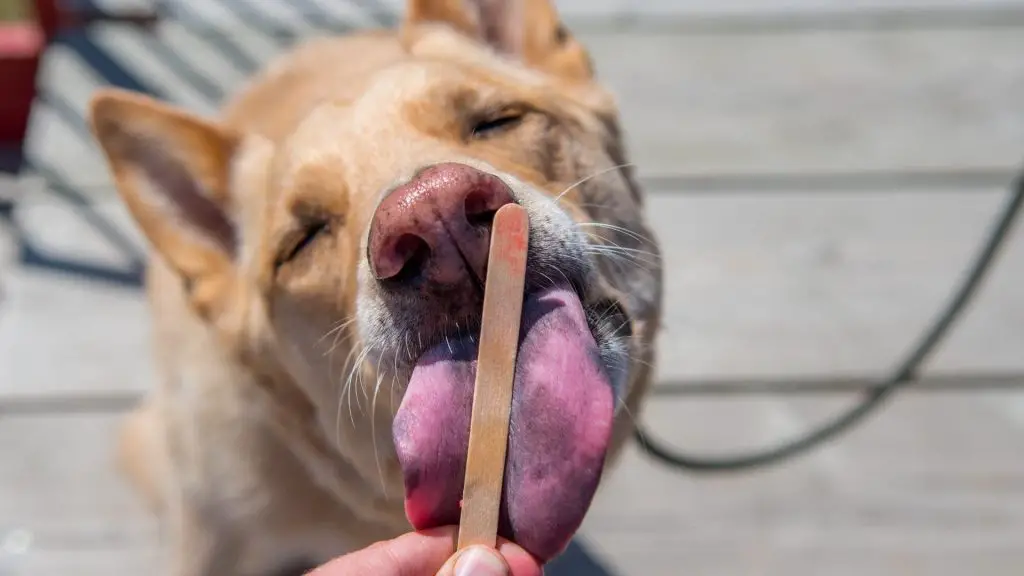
pixel 905 373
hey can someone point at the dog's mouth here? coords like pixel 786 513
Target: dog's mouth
pixel 561 422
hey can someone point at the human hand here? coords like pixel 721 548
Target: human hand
pixel 432 553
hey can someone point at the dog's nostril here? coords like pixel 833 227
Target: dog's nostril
pixel 479 209
pixel 483 218
pixel 482 204
pixel 414 252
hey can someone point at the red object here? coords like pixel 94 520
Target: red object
pixel 21 48
pixel 49 16
pixel 21 45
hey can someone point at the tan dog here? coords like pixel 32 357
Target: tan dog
pixel 317 282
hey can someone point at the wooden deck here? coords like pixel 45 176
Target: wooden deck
pixel 820 173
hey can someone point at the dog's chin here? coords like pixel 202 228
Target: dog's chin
pixel 561 422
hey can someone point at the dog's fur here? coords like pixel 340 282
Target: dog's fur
pixel 268 442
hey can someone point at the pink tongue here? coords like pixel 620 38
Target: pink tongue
pixel 562 412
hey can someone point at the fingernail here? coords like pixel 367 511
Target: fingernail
pixel 480 562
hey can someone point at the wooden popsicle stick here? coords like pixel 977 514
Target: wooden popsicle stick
pixel 495 371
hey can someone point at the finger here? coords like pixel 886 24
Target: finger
pixel 507 560
pixel 519 560
pixel 414 554
pixel 475 561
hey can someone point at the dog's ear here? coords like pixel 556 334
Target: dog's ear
pixel 173 172
pixel 529 30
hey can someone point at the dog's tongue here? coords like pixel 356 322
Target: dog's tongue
pixel 561 424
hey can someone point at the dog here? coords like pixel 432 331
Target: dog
pixel 318 255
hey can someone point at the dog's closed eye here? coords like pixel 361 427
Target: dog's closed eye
pixel 302 238
pixel 492 125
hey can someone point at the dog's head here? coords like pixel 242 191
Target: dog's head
pixel 350 254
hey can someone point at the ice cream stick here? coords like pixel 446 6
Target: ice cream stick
pixel 496 364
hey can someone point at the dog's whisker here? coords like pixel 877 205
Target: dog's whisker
pixel 330 364
pixel 391 395
pixel 607 243
pixel 623 324
pixel 616 255
pixel 643 363
pixel 394 367
pixel 358 386
pixel 373 434
pixel 343 337
pixel 347 393
pixel 613 253
pixel 342 387
pixel 350 389
pixel 619 259
pixel 560 273
pixel 597 206
pixel 338 327
pixel 362 388
pixel 330 359
pixel 619 229
pixel 647 255
pixel 633 358
pixel 625 409
pixel 394 385
pixel 355 388
pixel 550 280
pixel 591 177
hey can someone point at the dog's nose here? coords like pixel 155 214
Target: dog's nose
pixel 437 226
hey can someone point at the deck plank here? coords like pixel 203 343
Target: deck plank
pixel 838 284
pixel 885 499
pixel 58 483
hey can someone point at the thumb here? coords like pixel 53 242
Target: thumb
pixel 507 560
pixel 476 561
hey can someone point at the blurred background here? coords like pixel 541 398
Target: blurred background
pixel 821 174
